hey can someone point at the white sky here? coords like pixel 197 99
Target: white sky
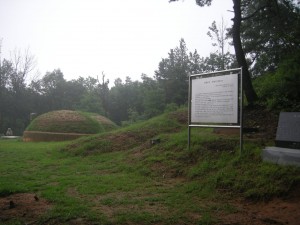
pixel 120 37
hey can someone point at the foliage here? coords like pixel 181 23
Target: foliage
pixel 173 71
pixel 15 99
pixel 172 75
pixel 270 32
pixel 90 102
pixel 154 102
pixel 221 59
pixel 125 97
pixel 280 90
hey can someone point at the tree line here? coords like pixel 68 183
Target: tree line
pixel 265 36
pixel 125 102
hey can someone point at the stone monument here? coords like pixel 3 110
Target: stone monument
pixel 288 131
pixel 287 142
pixel 9 132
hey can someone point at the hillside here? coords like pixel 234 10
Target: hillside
pixel 212 169
pixel 121 177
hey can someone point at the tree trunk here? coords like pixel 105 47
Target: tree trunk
pixel 239 52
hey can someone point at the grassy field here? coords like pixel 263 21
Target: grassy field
pixel 120 178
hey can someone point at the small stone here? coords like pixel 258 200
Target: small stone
pixel 12 205
pixel 36 198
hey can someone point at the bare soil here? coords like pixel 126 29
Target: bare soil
pixel 278 211
pixel 26 207
pixel 263 121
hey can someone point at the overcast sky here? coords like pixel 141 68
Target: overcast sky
pixel 121 37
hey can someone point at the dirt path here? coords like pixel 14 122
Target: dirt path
pixel 278 211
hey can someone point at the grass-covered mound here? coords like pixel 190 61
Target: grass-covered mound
pixel 213 161
pixel 106 123
pixel 67 124
pixel 132 136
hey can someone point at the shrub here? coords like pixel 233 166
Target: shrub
pixel 280 90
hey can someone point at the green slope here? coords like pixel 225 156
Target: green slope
pixel 120 178
pixel 213 160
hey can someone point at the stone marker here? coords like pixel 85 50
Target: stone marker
pixel 9 132
pixel 283 156
pixel 287 150
pixel 288 130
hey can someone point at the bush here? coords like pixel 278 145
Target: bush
pixel 280 90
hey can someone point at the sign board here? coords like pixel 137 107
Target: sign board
pixel 215 99
pixel 288 130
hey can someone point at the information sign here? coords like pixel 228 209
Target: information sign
pixel 215 99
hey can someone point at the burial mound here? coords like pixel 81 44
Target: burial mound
pixel 64 125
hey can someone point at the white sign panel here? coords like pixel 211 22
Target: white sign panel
pixel 215 99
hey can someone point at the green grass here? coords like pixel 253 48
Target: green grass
pixel 119 178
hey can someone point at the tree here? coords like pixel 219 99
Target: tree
pixel 104 93
pixel 83 94
pixel 53 89
pixel 73 92
pixel 126 100
pixel 218 35
pixel 153 97
pixel 221 59
pixel 22 65
pixel 172 74
pixel 239 52
pixel 195 63
pixel 240 55
pixel 5 96
pixel 6 69
pixel 15 104
pixel 280 90
pixel 90 102
pixel 270 33
pixel 89 83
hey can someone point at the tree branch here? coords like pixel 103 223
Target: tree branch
pixel 253 14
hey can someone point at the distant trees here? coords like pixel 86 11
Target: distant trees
pixel 126 100
pixel 53 89
pixel 13 90
pixel 265 36
pixel 172 74
pixel 124 103
pixel 173 71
